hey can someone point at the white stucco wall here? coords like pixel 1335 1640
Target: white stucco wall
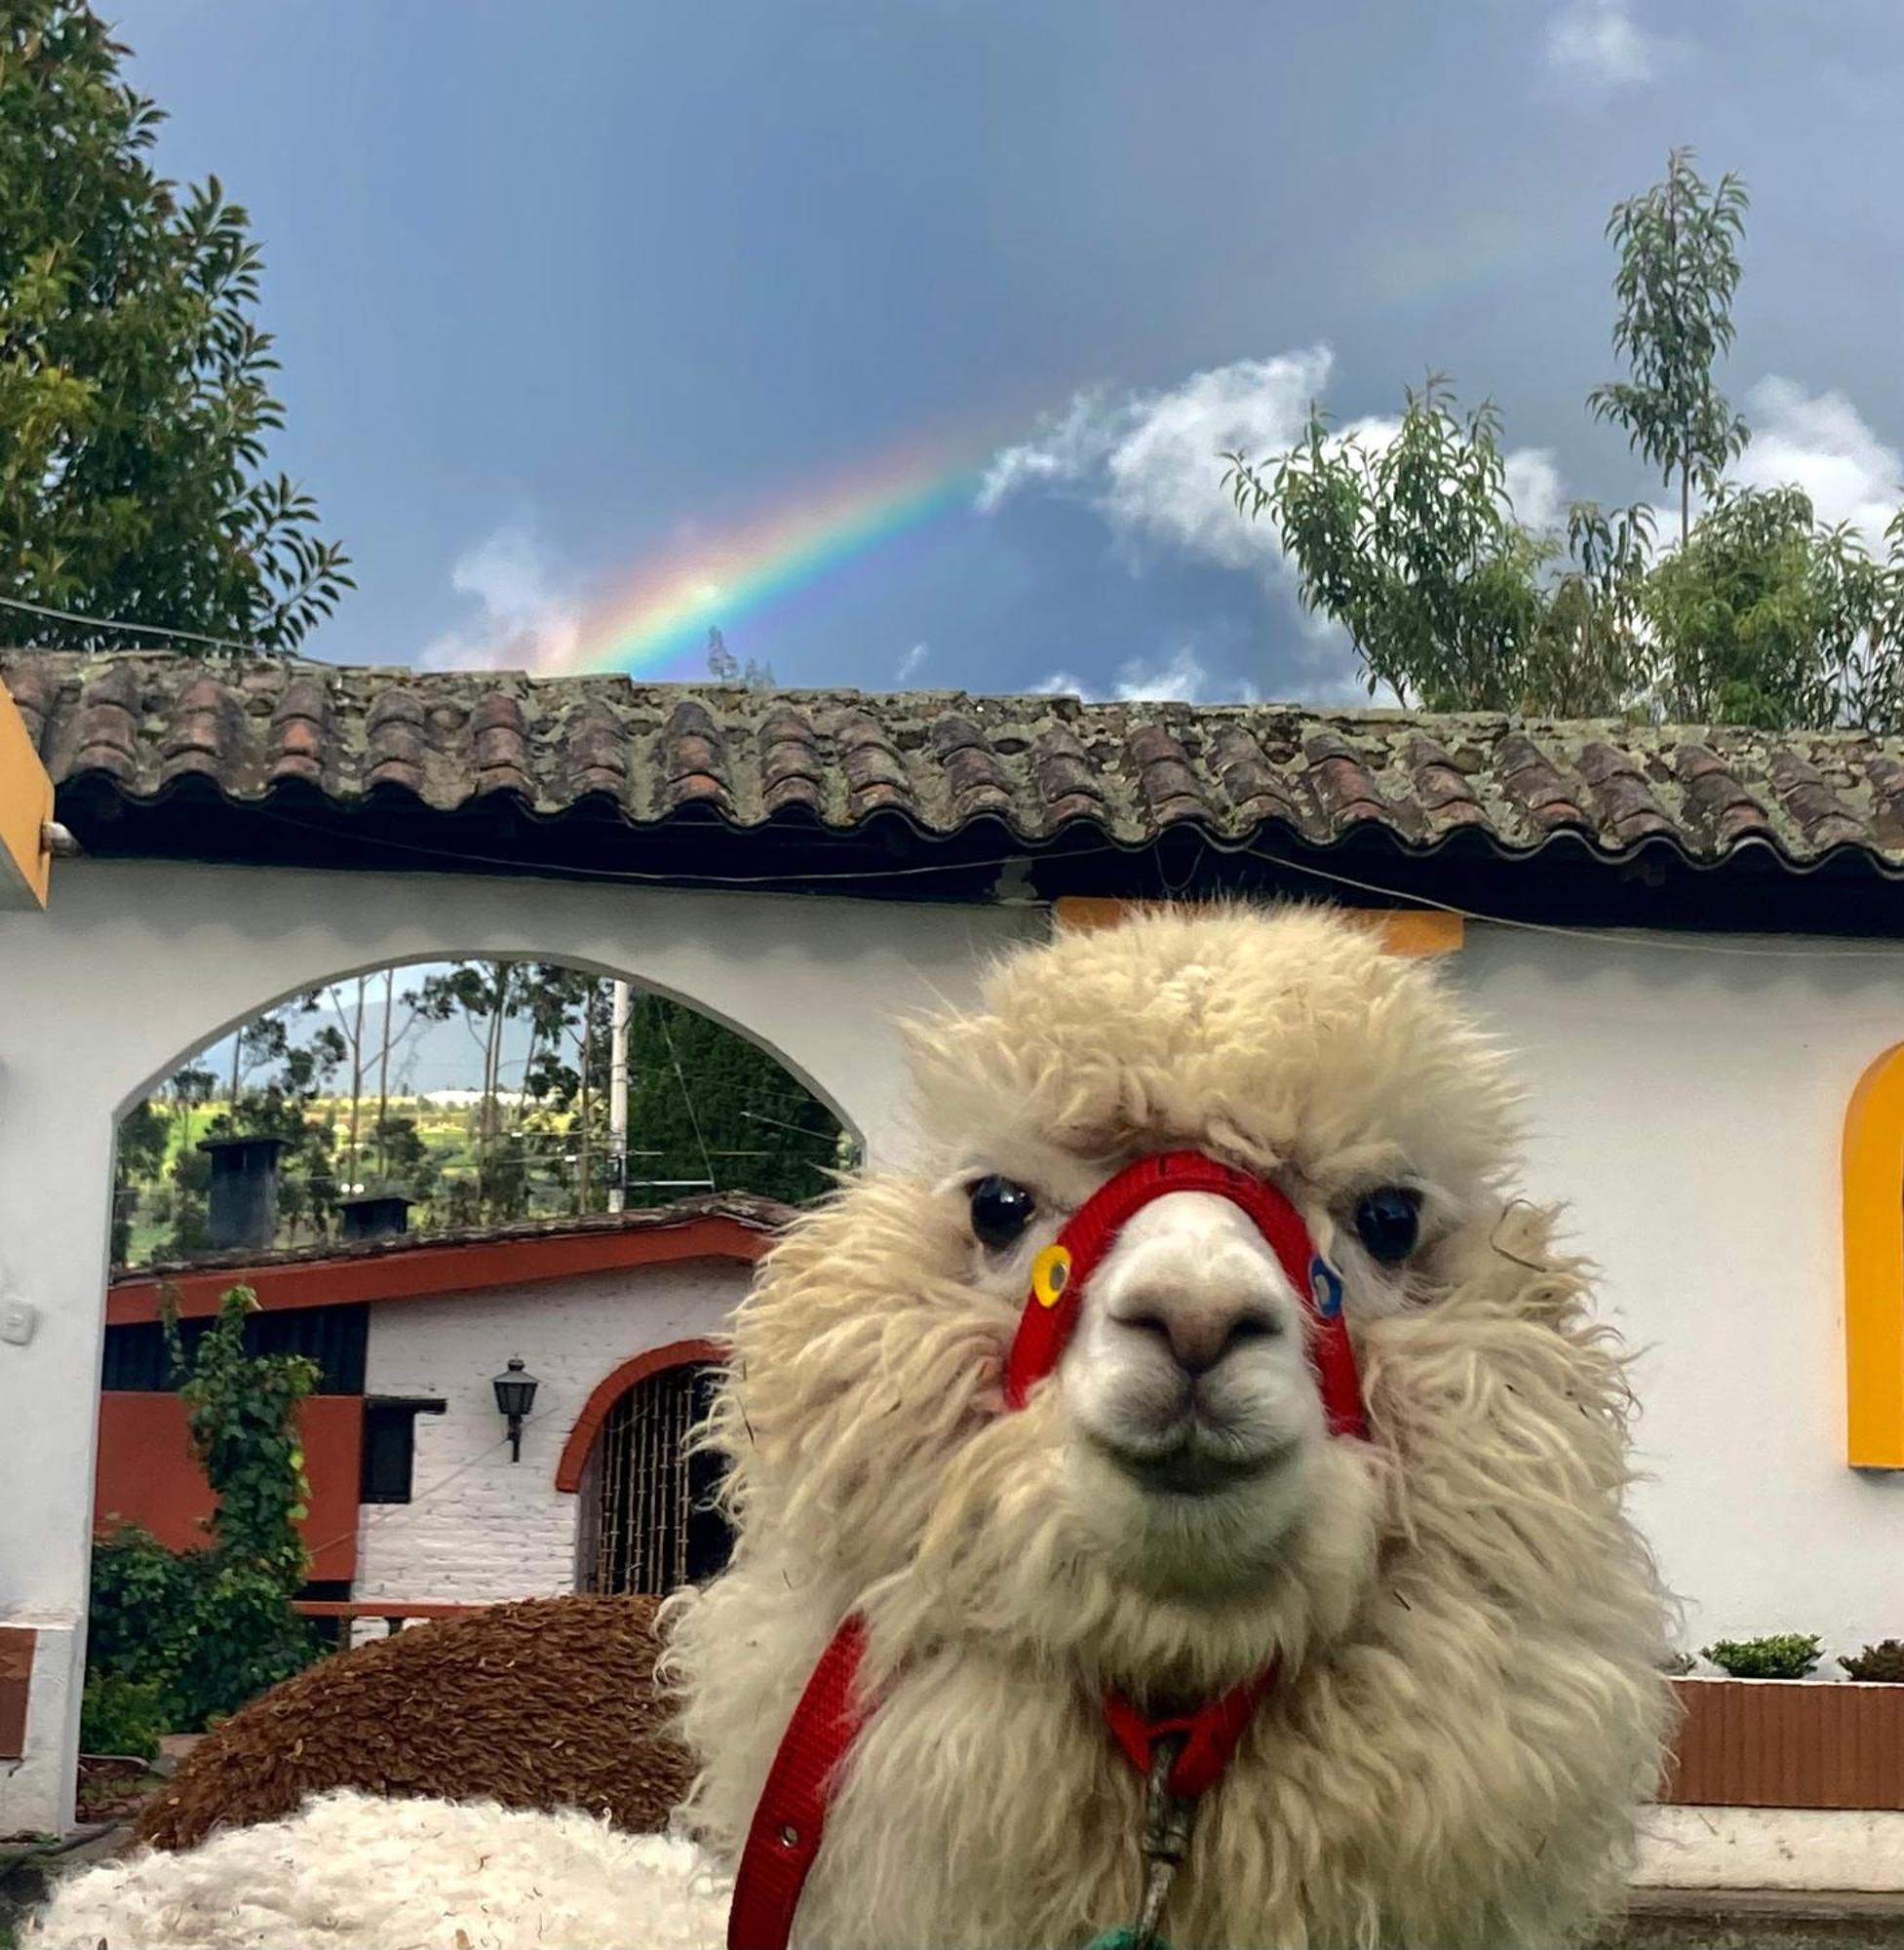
pixel 480 1528
pixel 1689 1100
pixel 136 965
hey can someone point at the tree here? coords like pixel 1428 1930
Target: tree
pixel 1765 618
pixel 725 668
pixel 1451 601
pixel 1678 270
pixel 135 382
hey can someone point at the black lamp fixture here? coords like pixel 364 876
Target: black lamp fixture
pixel 514 1390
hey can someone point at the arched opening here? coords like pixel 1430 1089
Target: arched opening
pixel 462 1160
pixel 478 1091
pixel 1874 1265
pixel 651 1524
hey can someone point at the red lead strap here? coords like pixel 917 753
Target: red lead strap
pixel 784 1839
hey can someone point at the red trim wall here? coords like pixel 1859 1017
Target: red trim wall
pixel 436 1271
pixel 147 1475
pixel 595 1411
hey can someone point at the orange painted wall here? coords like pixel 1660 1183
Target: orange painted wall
pixel 146 1475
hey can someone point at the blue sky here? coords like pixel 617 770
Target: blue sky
pixel 566 290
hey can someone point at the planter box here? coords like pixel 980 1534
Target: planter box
pixel 1788 1744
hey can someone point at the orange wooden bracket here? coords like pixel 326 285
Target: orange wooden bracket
pixel 1404 931
pixel 1874 1266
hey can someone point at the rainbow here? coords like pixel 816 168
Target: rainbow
pixel 752 573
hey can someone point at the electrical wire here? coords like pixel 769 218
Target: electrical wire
pixel 138 629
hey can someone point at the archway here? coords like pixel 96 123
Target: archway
pixel 157 957
pixel 513 1117
pixel 650 1524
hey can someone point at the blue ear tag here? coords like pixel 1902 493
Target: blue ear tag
pixel 1326 1283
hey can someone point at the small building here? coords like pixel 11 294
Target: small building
pixel 422 1494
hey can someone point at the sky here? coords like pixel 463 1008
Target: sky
pixel 898 339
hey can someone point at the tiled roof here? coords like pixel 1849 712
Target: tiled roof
pixel 298 734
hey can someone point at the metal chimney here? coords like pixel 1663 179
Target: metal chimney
pixel 244 1205
pixel 373 1215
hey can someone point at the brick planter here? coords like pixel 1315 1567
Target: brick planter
pixel 1788 1744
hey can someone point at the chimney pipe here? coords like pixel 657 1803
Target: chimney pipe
pixel 373 1215
pixel 243 1202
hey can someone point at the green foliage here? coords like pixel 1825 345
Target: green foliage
pixel 1759 617
pixel 1783 1656
pixel 121 1716
pixel 1451 601
pixel 134 382
pixel 1884 1662
pixel 208 1629
pixel 1413 547
pixel 138 1156
pixel 1765 618
pixel 704 1103
pixel 1679 267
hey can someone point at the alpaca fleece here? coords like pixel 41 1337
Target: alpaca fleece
pixel 548 1703
pixel 1470 1704
pixel 353 1872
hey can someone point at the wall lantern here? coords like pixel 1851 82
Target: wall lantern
pixel 514 1397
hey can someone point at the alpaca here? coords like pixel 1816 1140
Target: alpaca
pixel 352 1872
pixel 1445 1634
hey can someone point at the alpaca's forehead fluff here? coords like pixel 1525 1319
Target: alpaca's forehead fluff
pixel 1289 1038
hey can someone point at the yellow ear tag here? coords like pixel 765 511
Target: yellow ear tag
pixel 1051 1273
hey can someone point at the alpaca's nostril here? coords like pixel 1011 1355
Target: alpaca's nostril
pixel 1199 1337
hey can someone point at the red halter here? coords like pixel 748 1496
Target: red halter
pixel 784 1838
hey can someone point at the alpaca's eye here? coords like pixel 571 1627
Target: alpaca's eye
pixel 1389 1223
pixel 1002 1209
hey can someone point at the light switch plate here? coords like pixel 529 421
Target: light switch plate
pixel 18 1320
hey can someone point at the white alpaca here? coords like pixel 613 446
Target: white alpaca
pixel 1461 1629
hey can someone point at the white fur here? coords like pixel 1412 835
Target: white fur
pixel 352 1872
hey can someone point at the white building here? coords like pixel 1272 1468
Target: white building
pixel 423 1496
pixel 1694 941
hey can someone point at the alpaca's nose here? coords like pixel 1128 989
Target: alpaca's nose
pixel 1201 1329
pixel 1191 1271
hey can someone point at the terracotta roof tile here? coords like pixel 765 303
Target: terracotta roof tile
pixel 137 726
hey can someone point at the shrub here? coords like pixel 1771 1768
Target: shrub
pixel 121 1716
pixel 211 1628
pixel 1783 1656
pixel 1881 1661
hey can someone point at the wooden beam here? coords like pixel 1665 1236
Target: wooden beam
pixel 1404 931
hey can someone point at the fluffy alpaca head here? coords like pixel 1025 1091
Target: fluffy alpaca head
pixel 1169 1508
pixel 1168 1514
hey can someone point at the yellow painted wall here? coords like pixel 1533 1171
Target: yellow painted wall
pixel 1874 1266
pixel 25 806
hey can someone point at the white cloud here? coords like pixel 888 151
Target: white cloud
pixel 1820 442
pixel 1150 462
pixel 1181 678
pixel 908 664
pixel 1601 42
pixel 527 619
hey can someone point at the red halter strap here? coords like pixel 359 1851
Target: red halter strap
pixel 784 1838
